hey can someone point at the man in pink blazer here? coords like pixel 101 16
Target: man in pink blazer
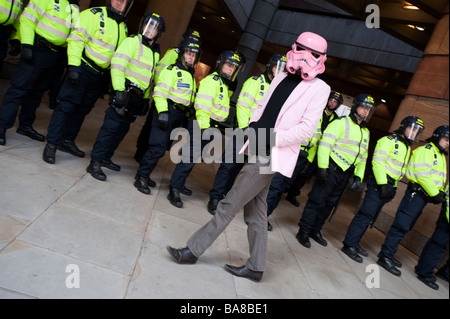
pixel 287 115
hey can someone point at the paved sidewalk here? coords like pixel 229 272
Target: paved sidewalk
pixel 56 221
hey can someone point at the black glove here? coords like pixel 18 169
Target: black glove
pixel 163 119
pixel 121 99
pixel 15 47
pixel 144 107
pixel 73 75
pixel 439 198
pixel 385 191
pixel 322 174
pixel 27 52
pixel 355 184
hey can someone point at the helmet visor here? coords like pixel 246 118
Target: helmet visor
pixel 278 67
pixel 150 28
pixel 413 132
pixel 122 7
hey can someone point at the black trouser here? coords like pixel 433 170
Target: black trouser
pixel 323 197
pixel 369 209
pixel 159 140
pixel 114 129
pixel 28 83
pixel 436 246
pixel 280 183
pixel 302 178
pixel 187 163
pixel 75 102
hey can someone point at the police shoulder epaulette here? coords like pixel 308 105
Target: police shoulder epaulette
pixel 170 67
pixel 391 137
pixel 428 146
pixel 216 77
pixel 96 10
pixel 255 77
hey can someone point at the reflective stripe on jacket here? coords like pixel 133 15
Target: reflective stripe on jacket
pixel 10 11
pixel 176 85
pixel 252 92
pixel 135 62
pixel 390 158
pixel 52 21
pixel 212 101
pixel 428 168
pixel 346 143
pixel 97 35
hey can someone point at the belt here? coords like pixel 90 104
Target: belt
pixel 179 107
pixel 416 188
pixel 43 43
pixel 335 167
pixel 92 64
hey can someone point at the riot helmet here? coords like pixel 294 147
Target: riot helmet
pixel 189 45
pixel 232 62
pixel 194 35
pixel 365 101
pixel 276 64
pixel 336 96
pixel 152 26
pixel 411 128
pixel 438 134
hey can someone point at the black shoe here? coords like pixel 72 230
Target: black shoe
pixel 317 236
pixel 269 226
pixel 292 200
pixel 53 102
pixel 182 255
pixel 244 272
pixel 95 169
pixel 110 165
pixel 141 183
pixel 352 253
pixel 387 264
pixel 443 273
pixel 151 183
pixel 396 262
pixel 361 251
pixel 71 148
pixel 2 136
pixel 49 153
pixel 212 205
pixel 174 197
pixel 429 281
pixel 303 238
pixel 186 191
pixel 30 132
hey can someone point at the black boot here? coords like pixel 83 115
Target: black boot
pixel 2 136
pixel 141 183
pixel 387 264
pixel 95 169
pixel 174 197
pixel 303 238
pixel 212 205
pixel 70 147
pixel 110 165
pixel 49 153
pixel 443 272
pixel 317 236
pixel 30 132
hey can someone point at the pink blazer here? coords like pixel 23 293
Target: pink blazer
pixel 296 122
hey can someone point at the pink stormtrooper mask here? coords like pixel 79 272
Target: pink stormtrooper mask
pixel 308 55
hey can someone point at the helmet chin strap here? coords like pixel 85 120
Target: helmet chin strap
pixel 359 116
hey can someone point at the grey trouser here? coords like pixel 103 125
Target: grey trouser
pixel 249 191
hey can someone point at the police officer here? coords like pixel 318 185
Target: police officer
pixel 427 174
pixel 342 153
pixel 435 248
pixel 251 93
pixel 212 105
pixel 173 95
pixel 44 29
pixel 91 45
pixel 390 159
pixel 310 167
pixel 280 184
pixel 169 58
pixel 10 11
pixel 132 70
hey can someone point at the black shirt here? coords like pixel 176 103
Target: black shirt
pixel 267 121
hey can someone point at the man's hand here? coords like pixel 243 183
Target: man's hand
pixel 322 174
pixel 439 198
pixel 73 75
pixel 27 52
pixel 356 184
